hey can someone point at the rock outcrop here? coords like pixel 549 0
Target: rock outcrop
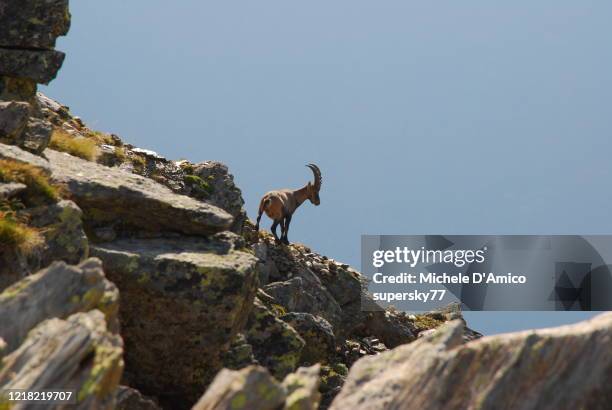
pixel 33 24
pixel 184 300
pixel 76 354
pixel 59 291
pixel 111 196
pixel 28 30
pixel 254 388
pixel 560 368
pixel 59 330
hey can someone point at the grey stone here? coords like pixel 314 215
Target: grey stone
pixel 559 368
pixel 303 388
pixel 36 135
pixel 13 119
pixel 38 65
pixel 77 353
pixel 174 293
pixel 62 229
pixel 17 154
pixel 108 195
pixel 276 345
pixel 58 291
pixel 223 191
pixel 316 332
pixel 251 388
pixel 33 23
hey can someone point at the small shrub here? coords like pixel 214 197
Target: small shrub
pixel 15 235
pixel 120 154
pixel 139 163
pixel 78 146
pixel 198 183
pixel 101 138
pixel 39 190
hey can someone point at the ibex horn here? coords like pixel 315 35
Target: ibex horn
pixel 317 175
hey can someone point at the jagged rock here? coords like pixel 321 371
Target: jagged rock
pixel 239 354
pixel 251 388
pixel 38 65
pixel 305 294
pixel 62 228
pixel 303 389
pixel 332 378
pixel 18 127
pixel 183 302
pixel 76 354
pixel 36 136
pixel 13 119
pixel 222 190
pixel 108 195
pixel 266 266
pixel 33 23
pixel 559 368
pixel 62 238
pixel 58 291
pixel 18 154
pixel 276 345
pixel 385 325
pixel 128 398
pixel 19 89
pixel 9 190
pixel 316 332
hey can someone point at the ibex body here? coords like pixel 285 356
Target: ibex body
pixel 280 205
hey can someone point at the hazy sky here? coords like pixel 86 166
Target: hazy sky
pixel 439 117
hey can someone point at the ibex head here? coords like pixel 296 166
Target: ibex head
pixel 315 187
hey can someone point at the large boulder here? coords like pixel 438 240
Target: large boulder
pixel 316 332
pixel 62 230
pixel 109 196
pixel 253 388
pixel 33 24
pixel 13 119
pixel 303 389
pixel 276 345
pixel 183 301
pixel 560 368
pixel 36 136
pixel 37 65
pixel 18 127
pixel 77 354
pixel 18 154
pixel 58 291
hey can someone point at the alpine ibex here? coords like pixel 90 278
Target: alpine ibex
pixel 281 204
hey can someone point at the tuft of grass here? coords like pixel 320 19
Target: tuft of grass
pixel 426 322
pixel 39 190
pixel 139 163
pixel 198 183
pixel 101 138
pixel 15 235
pixel 120 154
pixel 78 146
